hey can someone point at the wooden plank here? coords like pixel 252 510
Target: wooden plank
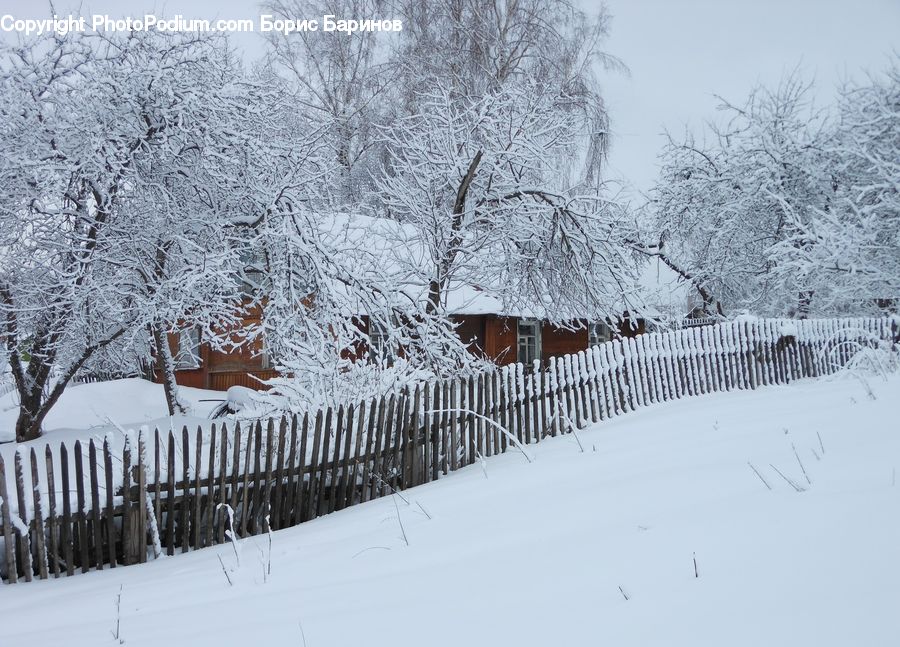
pixel 211 481
pixel 254 521
pixel 520 404
pixel 340 494
pixel 480 411
pixel 437 432
pixel 453 448
pixel 498 413
pixel 473 405
pixel 278 484
pixel 279 494
pixel 499 408
pixel 6 520
pixel 372 446
pixel 413 458
pixel 222 499
pixel 354 475
pixel 302 462
pixel 390 430
pixel 95 508
pixel 381 444
pixel 310 511
pixel 53 548
pixel 235 483
pixel 403 417
pixel 68 529
pixel 25 556
pixel 245 482
pixel 170 498
pixel 528 405
pixel 383 453
pixel 142 511
pixel 266 490
pixel 197 500
pixel 39 537
pixel 184 512
pixel 129 545
pixel 323 464
pixel 287 510
pixel 157 479
pixel 420 472
pixel 334 464
pixel 110 507
pixel 445 427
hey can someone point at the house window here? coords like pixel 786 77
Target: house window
pixel 188 355
pixel 529 334
pixel 599 333
pixel 265 356
pixel 379 346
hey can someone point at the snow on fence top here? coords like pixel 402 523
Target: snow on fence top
pixel 127 499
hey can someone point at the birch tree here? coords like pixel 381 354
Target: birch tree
pixel 340 78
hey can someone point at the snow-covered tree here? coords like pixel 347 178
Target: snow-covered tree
pixel 473 48
pixel 788 210
pixel 479 183
pixel 849 252
pixel 339 78
pixel 107 148
pixel 722 206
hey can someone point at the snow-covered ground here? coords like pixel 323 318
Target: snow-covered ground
pixel 546 553
pixel 86 410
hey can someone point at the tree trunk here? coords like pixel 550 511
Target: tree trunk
pixel 28 423
pixel 166 366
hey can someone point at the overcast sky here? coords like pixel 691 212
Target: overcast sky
pixel 680 54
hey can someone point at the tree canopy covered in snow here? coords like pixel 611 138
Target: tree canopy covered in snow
pixel 788 209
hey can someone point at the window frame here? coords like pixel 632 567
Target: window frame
pixel 595 339
pixel 188 355
pixel 379 350
pixel 535 336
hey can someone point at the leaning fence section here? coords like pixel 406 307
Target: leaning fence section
pixel 127 499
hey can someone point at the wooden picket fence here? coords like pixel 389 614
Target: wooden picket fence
pixel 133 497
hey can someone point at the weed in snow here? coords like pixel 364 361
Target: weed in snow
pixel 302 633
pixel 369 548
pixel 225 570
pixel 756 471
pixel 796 487
pixel 230 533
pixel 400 521
pixel 117 633
pixel 424 511
pixel 803 469
pixel 481 462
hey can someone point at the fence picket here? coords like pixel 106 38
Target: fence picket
pixel 110 508
pixel 53 537
pixel 68 530
pixel 6 520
